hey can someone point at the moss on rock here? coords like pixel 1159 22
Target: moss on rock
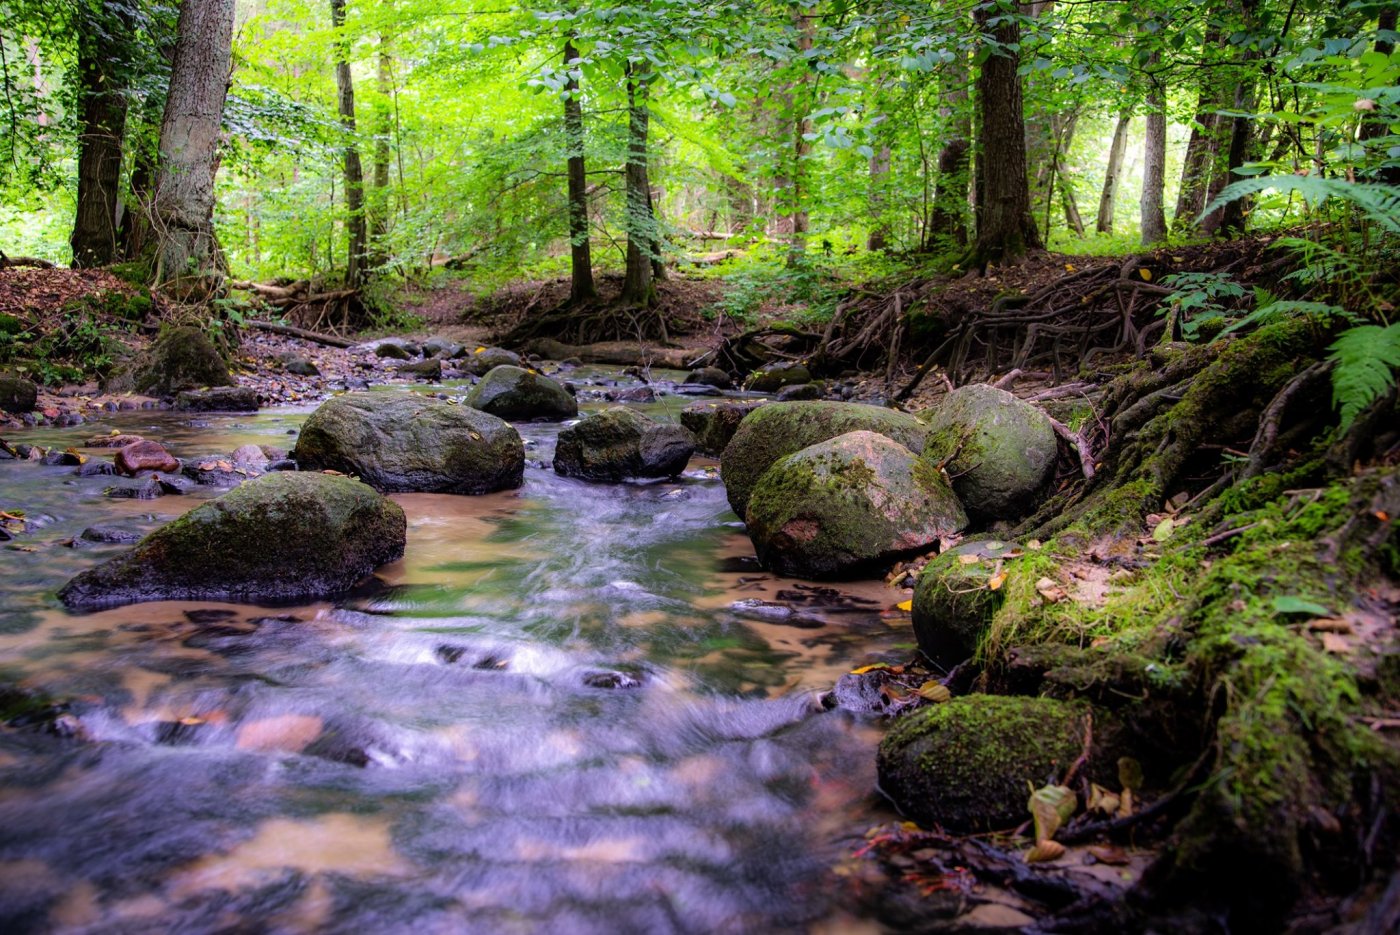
pixel 714 422
pixel 618 443
pixel 841 507
pixel 181 358
pixel 515 393
pixel 780 429
pixel 969 764
pixel 999 450
pixel 954 602
pixel 281 537
pixel 398 442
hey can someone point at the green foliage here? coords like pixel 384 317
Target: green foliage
pixel 1365 359
pixel 1200 299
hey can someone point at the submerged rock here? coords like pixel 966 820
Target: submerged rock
pixel 999 450
pixel 953 602
pixel 780 429
pixel 181 358
pixel 619 443
pixel 282 537
pixel 17 394
pixel 841 507
pixel 219 399
pixel 970 764
pixel 400 442
pixel 516 393
pixel 714 423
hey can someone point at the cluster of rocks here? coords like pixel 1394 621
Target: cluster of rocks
pixel 836 489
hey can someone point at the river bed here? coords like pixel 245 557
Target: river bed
pixel 568 708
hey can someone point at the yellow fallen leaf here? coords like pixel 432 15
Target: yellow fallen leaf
pixel 1045 851
pixel 478 350
pixel 969 559
pixel 932 691
pixel 904 605
pixel 870 668
pixel 191 721
pixel 1069 267
pixel 1146 274
pixel 995 582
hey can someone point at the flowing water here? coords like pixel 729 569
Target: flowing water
pixel 571 708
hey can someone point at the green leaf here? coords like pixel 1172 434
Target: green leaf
pixel 1292 604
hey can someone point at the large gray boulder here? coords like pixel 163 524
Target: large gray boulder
pixel 619 443
pixel 843 507
pixel 522 395
pixel 282 537
pixel 399 442
pixel 482 360
pixel 714 422
pixel 772 377
pixel 780 429
pixel 999 450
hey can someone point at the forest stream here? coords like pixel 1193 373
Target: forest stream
pixel 570 707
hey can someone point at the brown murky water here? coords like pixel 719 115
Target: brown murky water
pixel 570 708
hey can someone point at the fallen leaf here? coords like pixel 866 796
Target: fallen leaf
pixel 969 559
pixel 1146 274
pixel 1033 545
pixel 1045 851
pixel 1333 643
pixel 870 668
pixel 1293 604
pixel 1051 591
pixel 1163 530
pixel 932 691
pixel 1330 625
pixel 995 582
pixel 1051 807
pixel 904 605
pixel 1108 854
pixel 1102 800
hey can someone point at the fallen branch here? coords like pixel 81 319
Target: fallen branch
pixel 326 339
pixel 1080 445
pixel 8 261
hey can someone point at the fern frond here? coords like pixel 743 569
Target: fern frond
pixel 1366 359
pixel 1380 203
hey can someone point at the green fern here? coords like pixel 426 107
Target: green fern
pixel 1380 203
pixel 1366 359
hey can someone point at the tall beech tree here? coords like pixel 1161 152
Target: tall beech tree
pixel 356 230
pixel 104 35
pixel 182 206
pixel 581 287
pixel 1005 229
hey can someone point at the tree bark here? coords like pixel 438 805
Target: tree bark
pixel 582 288
pixel 183 203
pixel 1204 147
pixel 802 148
pixel 1113 174
pixel 103 120
pixel 1005 229
pixel 356 233
pixel 879 178
pixel 1061 135
pixel 638 288
pixel 948 219
pixel 1374 128
pixel 378 208
pixel 1154 163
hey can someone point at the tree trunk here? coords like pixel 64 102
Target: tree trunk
pixel 378 209
pixel 1071 207
pixel 1113 174
pixel 103 115
pixel 879 178
pixel 802 148
pixel 638 289
pixel 948 219
pixel 582 288
pixel 1154 163
pixel 1204 147
pixel 1005 229
pixel 1233 215
pixel 355 230
pixel 183 204
pixel 1061 135
pixel 1374 128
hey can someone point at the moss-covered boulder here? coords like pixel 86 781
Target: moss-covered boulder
pixel 400 442
pixel 17 394
pixel 954 600
pixel 842 507
pixel 772 377
pixel 969 764
pixel 709 376
pixel 218 399
pixel 523 395
pixel 181 358
pixel 714 422
pixel 1000 450
pixel 619 443
pixel 282 537
pixel 780 429
pixel 482 360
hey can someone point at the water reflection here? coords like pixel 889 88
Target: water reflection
pixel 551 715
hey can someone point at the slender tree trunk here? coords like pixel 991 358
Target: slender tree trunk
pixel 638 289
pixel 1005 229
pixel 355 230
pixel 1113 174
pixel 183 204
pixel 1198 168
pixel 1233 216
pixel 1154 164
pixel 1061 135
pixel 582 288
pixel 802 148
pixel 378 209
pixel 879 178
pixel 103 115
pixel 948 219
pixel 1071 207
